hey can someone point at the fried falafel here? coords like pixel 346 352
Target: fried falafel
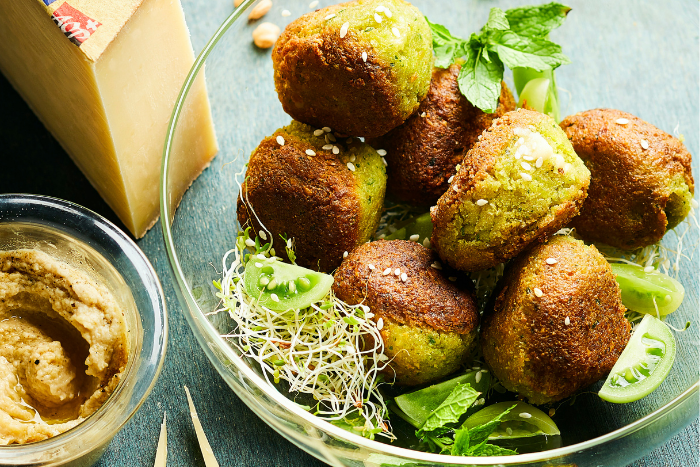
pixel 428 323
pixel 424 151
pixel 360 67
pixel 327 203
pixel 556 323
pixel 641 179
pixel 519 184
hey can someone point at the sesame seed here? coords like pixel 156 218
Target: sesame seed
pixel 380 8
pixel 423 114
pixel 426 242
pixel 476 368
pixel 258 265
pixel 644 143
pixel 318 132
pixel 509 430
pixel 364 56
pixel 452 279
pixel 274 297
pixel 538 292
pixel 352 158
pixel 436 265
pixel 397 272
pixel 380 324
pixel 377 18
pixel 371 267
pixel 456 188
pixel 331 138
pixel 529 158
pixel 404 277
pixel 694 203
pixel 310 152
pixel 262 235
pixel 396 32
pixel 264 281
pixel 280 140
pixel 286 12
pixel 331 16
pixel 326 129
pixel 449 180
pixel 336 150
pixel 526 177
pixel 539 162
pixel 388 13
pixel 261 256
pixel 349 140
pixel 292 286
pixel 414 237
pixel 381 152
pixel 526 166
pixel 567 167
pixel 567 321
pixel 249 242
pixel 313 4
pixel 551 261
pixel 649 269
pixel 525 415
pixel 386 272
pixel 384 162
pixel 552 412
pixel 559 161
pixel 327 147
pixel 477 377
pixel 351 166
pixel 481 202
pixel 622 121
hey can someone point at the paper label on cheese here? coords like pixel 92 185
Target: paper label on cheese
pixel 90 24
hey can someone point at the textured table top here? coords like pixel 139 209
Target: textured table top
pixel 237 436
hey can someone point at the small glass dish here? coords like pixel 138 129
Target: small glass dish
pixel 92 244
pixel 197 234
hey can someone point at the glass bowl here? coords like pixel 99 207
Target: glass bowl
pixel 92 244
pixel 245 109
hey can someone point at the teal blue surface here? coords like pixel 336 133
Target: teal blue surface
pixel 651 71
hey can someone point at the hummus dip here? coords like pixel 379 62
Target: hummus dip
pixel 63 346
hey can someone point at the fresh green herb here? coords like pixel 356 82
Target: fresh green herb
pixel 515 38
pixel 460 399
pixel 473 441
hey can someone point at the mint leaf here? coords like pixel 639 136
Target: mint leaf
pixel 479 434
pixel 536 21
pixel 461 444
pixel 480 80
pixel 485 450
pixel 460 399
pixel 517 51
pixel 446 47
pixel 497 20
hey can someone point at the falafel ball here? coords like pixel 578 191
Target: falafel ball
pixel 556 323
pixel 422 154
pixel 641 180
pixel 360 67
pixel 520 183
pixel 327 203
pixel 427 322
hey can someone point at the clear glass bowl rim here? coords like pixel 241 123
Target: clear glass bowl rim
pixel 73 435
pixel 321 425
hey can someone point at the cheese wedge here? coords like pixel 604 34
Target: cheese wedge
pixel 103 77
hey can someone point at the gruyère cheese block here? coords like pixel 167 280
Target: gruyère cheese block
pixel 103 77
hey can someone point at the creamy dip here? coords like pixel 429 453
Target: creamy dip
pixel 63 346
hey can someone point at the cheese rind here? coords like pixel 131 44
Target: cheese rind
pixel 111 114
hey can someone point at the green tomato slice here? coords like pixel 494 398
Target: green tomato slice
pixel 539 89
pixel 419 404
pixel 521 422
pixel 643 365
pixel 641 289
pixel 281 286
pixel 422 226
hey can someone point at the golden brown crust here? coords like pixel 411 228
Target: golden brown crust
pixel 348 94
pixel 630 185
pixel 310 199
pixel 423 152
pixel 427 298
pixel 525 339
pixel 475 169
